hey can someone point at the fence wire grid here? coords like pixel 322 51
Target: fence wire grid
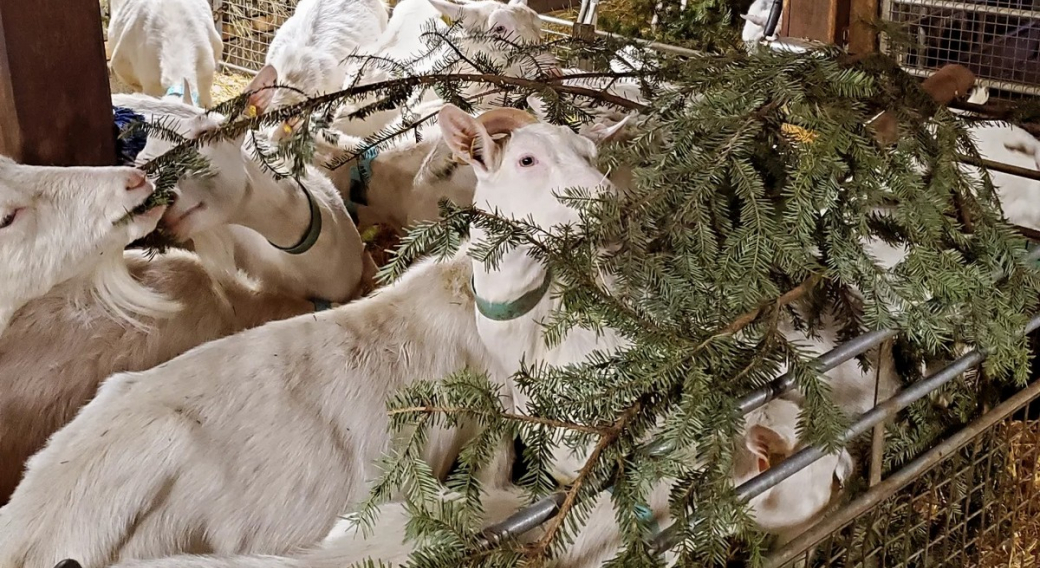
pixel 999 40
pixel 247 28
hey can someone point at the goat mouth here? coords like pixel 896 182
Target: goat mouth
pixel 172 222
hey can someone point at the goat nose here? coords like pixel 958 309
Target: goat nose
pixel 135 180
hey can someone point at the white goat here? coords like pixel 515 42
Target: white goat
pixel 263 211
pixel 67 334
pixel 401 41
pixel 309 51
pixel 401 185
pixel 770 434
pixel 1010 144
pixel 166 47
pixel 54 221
pixel 251 444
pixel 516 178
pixel 755 21
pixel 514 21
pixel 213 303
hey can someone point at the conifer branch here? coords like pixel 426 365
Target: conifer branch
pixel 507 415
pixel 540 548
pixel 790 296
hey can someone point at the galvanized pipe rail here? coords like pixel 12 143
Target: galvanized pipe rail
pixel 534 515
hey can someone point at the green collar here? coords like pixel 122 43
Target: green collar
pixel 505 311
pixel 313 229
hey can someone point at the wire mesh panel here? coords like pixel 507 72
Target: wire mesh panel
pixel 973 501
pixel 248 26
pixel 999 40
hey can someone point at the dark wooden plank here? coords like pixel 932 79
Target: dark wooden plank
pixel 546 6
pixel 55 103
pixel 818 20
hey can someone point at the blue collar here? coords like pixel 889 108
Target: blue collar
pixel 360 174
pixel 321 305
pixel 506 311
pixel 128 147
pixel 179 93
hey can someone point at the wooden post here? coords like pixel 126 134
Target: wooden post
pixel 824 21
pixel 862 35
pixel 55 102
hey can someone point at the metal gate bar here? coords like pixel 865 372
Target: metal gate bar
pixel 903 476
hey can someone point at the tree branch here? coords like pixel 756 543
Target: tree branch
pixel 507 415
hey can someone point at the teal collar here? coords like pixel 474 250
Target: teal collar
pixel 505 311
pixel 313 229
pixel 645 516
pixel 321 305
pixel 360 174
pixel 179 93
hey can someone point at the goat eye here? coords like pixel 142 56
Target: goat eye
pixel 499 29
pixel 527 161
pixel 8 219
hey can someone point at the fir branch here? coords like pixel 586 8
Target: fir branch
pixel 540 549
pixel 559 424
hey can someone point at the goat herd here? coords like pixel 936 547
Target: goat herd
pixel 207 401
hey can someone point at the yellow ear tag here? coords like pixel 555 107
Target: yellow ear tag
pixel 251 111
pixel 798 133
pixel 286 128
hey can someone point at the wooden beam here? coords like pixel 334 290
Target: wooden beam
pixel 546 6
pixel 825 21
pixel 862 34
pixel 55 102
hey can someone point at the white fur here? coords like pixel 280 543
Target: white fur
pixel 755 21
pixel 249 444
pixel 1009 144
pixel 309 51
pixel 786 510
pixel 403 38
pixel 260 209
pixel 402 41
pixel 59 222
pixel 68 333
pixel 159 44
pixel 514 21
pixel 407 182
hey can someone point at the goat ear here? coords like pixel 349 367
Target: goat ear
pixel 979 95
pixel 467 138
pixel 517 2
pixel 449 9
pixel 259 99
pixel 754 19
pixel 538 107
pixel 601 133
pixel 843 470
pixel 763 443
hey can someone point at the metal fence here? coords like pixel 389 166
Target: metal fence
pixel 971 501
pixel 247 28
pixel 999 40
